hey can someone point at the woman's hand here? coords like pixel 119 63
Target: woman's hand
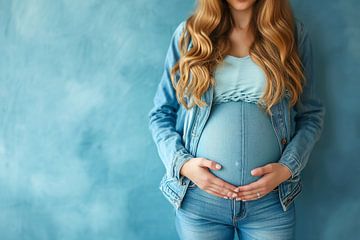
pixel 197 170
pixel 273 175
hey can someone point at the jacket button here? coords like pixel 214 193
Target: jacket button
pixel 283 141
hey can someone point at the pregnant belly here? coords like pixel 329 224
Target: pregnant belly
pixel 239 136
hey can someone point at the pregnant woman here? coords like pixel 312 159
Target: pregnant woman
pixel 247 51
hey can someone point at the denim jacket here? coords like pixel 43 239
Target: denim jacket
pixel 176 131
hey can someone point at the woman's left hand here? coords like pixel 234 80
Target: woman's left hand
pixel 273 175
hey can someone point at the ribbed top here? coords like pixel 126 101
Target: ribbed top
pixel 238 78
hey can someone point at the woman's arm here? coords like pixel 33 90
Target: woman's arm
pixel 310 112
pixel 162 117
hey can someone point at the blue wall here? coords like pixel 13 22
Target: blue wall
pixel 329 207
pixel 77 80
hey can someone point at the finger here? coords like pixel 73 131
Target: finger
pixel 223 191
pixel 213 191
pixel 209 164
pixel 223 184
pixel 251 193
pixel 254 196
pixel 249 187
pixel 262 170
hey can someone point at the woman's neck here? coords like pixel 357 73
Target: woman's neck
pixel 242 18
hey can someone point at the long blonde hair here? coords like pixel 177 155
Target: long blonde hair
pixel 274 49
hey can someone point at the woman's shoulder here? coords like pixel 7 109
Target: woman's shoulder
pixel 180 27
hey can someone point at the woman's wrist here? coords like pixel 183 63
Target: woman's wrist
pixel 183 169
pixel 285 172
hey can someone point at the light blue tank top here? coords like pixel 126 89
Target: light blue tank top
pixel 238 78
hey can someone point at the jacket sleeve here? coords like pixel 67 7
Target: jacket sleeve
pixel 162 116
pixel 310 112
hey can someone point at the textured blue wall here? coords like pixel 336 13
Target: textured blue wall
pixel 77 80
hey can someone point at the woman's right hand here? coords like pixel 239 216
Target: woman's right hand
pixel 197 170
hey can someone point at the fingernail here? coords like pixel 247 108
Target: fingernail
pixel 238 199
pixel 234 195
pixel 226 197
pixel 236 190
pixel 218 166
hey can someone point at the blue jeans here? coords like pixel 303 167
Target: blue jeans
pixel 204 216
